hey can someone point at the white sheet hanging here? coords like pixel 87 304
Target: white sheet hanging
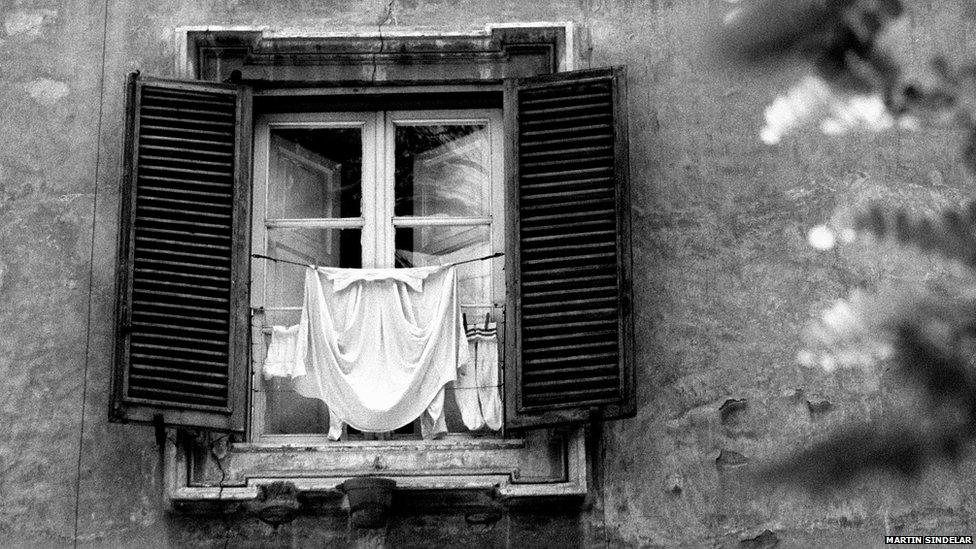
pixel 380 344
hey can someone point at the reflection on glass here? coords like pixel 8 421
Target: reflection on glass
pixel 287 412
pixel 442 170
pixel 315 173
pixel 423 246
pixel 285 283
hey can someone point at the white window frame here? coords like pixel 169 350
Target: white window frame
pixel 377 220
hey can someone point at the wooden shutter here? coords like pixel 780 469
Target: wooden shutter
pixel 569 332
pixel 182 308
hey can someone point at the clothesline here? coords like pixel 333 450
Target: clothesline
pixel 455 264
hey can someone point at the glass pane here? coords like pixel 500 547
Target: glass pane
pixel 315 173
pixel 287 412
pixel 285 283
pixel 423 246
pixel 442 170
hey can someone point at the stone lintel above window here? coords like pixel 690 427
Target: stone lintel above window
pixel 397 56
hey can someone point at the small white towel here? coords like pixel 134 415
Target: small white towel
pixel 280 360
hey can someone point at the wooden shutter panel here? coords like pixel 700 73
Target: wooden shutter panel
pixel 569 331
pixel 182 308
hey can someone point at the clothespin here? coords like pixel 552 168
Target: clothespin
pixel 487 319
pixel 464 318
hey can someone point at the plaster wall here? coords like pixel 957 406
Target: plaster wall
pixel 724 282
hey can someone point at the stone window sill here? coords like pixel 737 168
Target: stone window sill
pixel 550 465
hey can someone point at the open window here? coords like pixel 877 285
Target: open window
pixel 543 177
pixel 379 188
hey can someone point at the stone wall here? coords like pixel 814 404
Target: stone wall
pixel 723 282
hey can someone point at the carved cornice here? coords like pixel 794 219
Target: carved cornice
pixel 260 58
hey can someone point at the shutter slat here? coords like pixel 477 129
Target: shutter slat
pixel 157 325
pixel 570 152
pixel 193 386
pixel 535 187
pixel 569 349
pixel 550 100
pixel 185 205
pixel 218 175
pixel 572 260
pixel 182 398
pixel 186 152
pixel 580 398
pixel 562 174
pixel 164 273
pixel 603 128
pixel 186 141
pixel 574 381
pixel 562 326
pixel 195 130
pixel 163 190
pixel 183 264
pixel 198 320
pixel 217 366
pixel 555 146
pixel 183 307
pixel 213 163
pixel 209 227
pixel 177 371
pixel 179 350
pixel 180 112
pixel 192 182
pixel 143 231
pixel 530 216
pixel 577 106
pixel 573 371
pixel 183 95
pixel 527 263
pixel 198 256
pixel 175 124
pixel 593 279
pixel 180 295
pixel 565 121
pixel 186 285
pixel 177 211
pixel 574 196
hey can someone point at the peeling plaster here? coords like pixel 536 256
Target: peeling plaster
pixel 28 22
pixel 46 91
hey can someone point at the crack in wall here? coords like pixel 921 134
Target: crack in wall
pixel 387 17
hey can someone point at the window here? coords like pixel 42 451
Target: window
pixel 556 200
pixel 370 189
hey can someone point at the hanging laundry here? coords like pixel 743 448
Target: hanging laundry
pixel 280 360
pixel 379 345
pixel 486 363
pixel 477 388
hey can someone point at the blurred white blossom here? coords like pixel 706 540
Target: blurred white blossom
pixel 813 102
pixel 821 237
pixel 806 100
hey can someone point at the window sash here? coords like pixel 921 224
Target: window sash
pixel 377 222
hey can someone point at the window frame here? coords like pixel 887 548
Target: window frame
pixel 377 204
pixel 485 57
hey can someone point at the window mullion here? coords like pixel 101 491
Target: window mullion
pixel 369 189
pixel 387 161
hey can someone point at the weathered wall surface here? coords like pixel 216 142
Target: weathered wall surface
pixel 724 281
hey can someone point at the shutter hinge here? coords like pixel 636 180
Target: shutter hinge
pixel 160 429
